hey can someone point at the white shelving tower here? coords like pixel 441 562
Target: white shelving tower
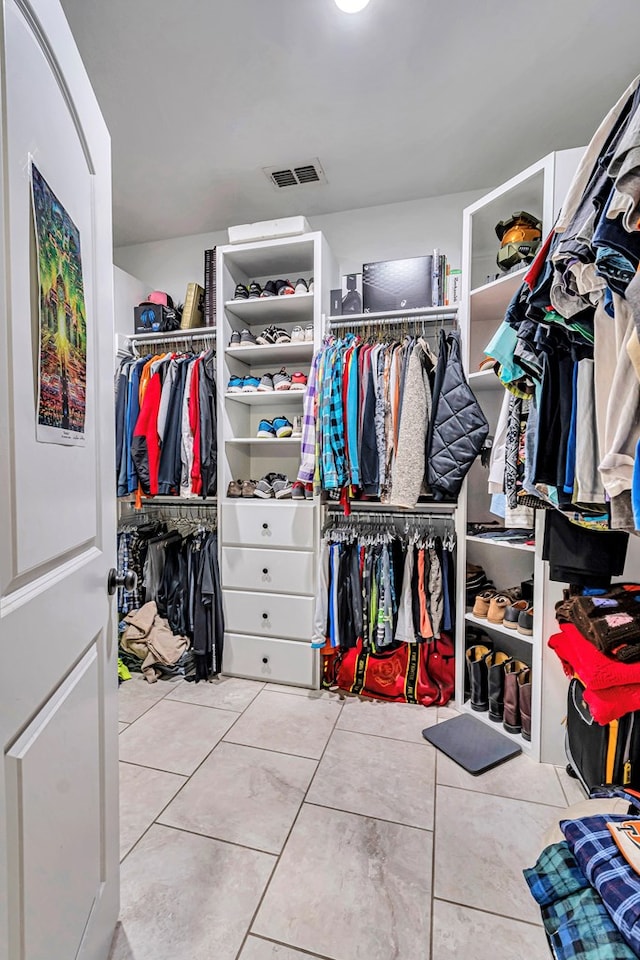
pixel 268 547
pixel 540 190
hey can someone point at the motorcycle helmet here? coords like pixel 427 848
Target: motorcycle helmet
pixel 520 236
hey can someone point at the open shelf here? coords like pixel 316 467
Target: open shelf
pixel 281 353
pixel 502 543
pixel 490 301
pixel 484 380
pixel 295 307
pixel 497 628
pixel 484 718
pixel 272 397
pixel 261 441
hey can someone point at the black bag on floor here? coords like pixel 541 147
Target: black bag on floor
pixel 601 754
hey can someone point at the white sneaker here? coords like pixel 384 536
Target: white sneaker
pixel 297 335
pixel 308 332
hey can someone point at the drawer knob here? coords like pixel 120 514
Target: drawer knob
pixel 265 571
pixel 265 526
pixel 265 616
pixel 265 659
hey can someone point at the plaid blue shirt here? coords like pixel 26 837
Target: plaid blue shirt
pixel 575 919
pixel 606 869
pixel 334 463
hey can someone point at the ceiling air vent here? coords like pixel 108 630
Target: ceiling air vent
pixel 296 176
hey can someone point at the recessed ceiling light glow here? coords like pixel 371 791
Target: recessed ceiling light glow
pixel 351 6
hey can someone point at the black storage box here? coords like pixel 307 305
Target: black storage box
pixel 154 318
pixel 396 284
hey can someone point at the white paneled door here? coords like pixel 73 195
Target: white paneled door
pixel 58 651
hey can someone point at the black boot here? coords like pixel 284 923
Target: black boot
pixel 495 670
pixel 478 683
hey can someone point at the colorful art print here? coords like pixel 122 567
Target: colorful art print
pixel 62 369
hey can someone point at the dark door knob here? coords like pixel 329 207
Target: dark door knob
pixel 129 581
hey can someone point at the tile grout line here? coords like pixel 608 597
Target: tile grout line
pixel 153 822
pixel 284 845
pixel 433 853
pixel 367 816
pixel 287 946
pixel 491 913
pixel 501 796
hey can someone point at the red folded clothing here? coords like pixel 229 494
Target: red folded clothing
pixel 612 687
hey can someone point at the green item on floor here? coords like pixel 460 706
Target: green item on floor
pixel 123 671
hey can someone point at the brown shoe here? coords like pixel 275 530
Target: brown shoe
pixel 481 605
pixel 497 608
pixel 235 488
pixel 525 622
pixel 249 488
pixel 512 720
pixel 524 699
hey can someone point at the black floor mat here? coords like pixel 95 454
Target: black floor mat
pixel 471 743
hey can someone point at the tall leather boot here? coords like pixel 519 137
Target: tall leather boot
pixel 512 722
pixel 477 670
pixel 495 673
pixel 524 699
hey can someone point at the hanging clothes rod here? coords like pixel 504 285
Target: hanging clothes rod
pixel 443 509
pixel 388 514
pixel 356 320
pixel 174 336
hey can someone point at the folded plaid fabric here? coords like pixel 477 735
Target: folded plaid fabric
pixel 576 921
pixel 605 868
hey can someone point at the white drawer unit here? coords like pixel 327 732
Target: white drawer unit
pixel 269 571
pixel 268 525
pixel 261 658
pixel 268 614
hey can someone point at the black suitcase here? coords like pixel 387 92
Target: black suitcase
pixel 598 754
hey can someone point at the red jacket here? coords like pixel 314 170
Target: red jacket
pixel 194 423
pixel 145 445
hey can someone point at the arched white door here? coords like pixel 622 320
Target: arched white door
pixel 58 684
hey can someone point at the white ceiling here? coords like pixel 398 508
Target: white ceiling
pixel 411 98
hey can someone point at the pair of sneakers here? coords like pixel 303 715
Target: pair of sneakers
pixel 241 488
pixel 274 485
pixel 302 334
pixel 280 427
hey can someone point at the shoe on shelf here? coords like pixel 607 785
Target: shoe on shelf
pixel 266 429
pixel 264 487
pixel 297 427
pixel 235 488
pixel 495 675
pixel 241 293
pixel 512 717
pixel 235 385
pixel 248 488
pixel 267 338
pixel 298 381
pixel 283 427
pixel 282 487
pixel 497 607
pixel 308 333
pixel 525 621
pixel 282 380
pixel 285 288
pixel 513 612
pixel 297 335
pixel 247 339
pixel 311 285
pixel 481 605
pixel 255 291
pixel 297 492
pixel 308 491
pixel 235 339
pixel 301 286
pixel 266 383
pixel 478 676
pixel 269 289
pixel 250 384
pixel 281 335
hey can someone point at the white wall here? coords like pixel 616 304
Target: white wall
pixel 128 291
pixel 355 237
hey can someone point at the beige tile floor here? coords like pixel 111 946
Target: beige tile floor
pixel 260 822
